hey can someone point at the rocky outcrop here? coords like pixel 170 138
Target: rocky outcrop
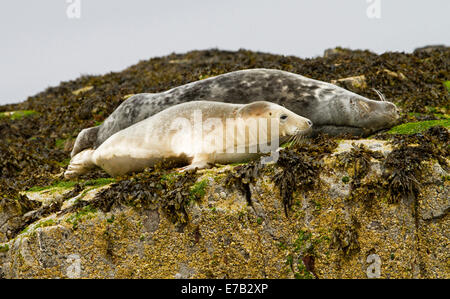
pixel 232 222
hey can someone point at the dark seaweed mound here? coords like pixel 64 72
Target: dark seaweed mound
pixel 35 149
pixel 403 168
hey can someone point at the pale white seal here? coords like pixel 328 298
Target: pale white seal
pixel 200 133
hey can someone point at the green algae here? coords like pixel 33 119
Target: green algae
pixel 75 218
pixel 98 182
pixel 70 184
pixel 198 190
pixel 447 85
pixel 417 127
pixel 171 177
pixel 45 223
pixel 33 227
pixel 59 143
pixel 301 259
pixel 4 248
pixel 58 184
pixel 16 115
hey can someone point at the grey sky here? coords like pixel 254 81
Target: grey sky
pixel 40 46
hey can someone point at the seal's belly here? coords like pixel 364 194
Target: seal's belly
pixel 120 165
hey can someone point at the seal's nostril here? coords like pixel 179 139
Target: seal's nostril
pixel 395 109
pixel 310 123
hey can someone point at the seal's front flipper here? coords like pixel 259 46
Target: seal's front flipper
pixel 199 162
pixel 80 164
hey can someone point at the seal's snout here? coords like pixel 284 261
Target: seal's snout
pixel 304 128
pixel 393 111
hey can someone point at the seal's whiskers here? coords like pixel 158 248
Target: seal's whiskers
pixel 381 95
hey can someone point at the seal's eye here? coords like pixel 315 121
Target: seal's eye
pixel 283 117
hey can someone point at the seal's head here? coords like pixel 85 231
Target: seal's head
pixel 289 124
pixel 372 115
pixel 346 111
pixel 392 113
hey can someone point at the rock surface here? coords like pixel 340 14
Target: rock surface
pixel 329 231
pixel 329 210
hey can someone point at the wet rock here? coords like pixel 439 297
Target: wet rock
pixel 11 215
pixel 329 232
pixel 358 82
pixel 82 90
pixel 151 222
pixel 398 75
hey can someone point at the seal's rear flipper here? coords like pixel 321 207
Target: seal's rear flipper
pixel 80 164
pixel 85 139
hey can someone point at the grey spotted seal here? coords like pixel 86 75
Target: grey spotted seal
pixel 332 109
pixel 198 133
